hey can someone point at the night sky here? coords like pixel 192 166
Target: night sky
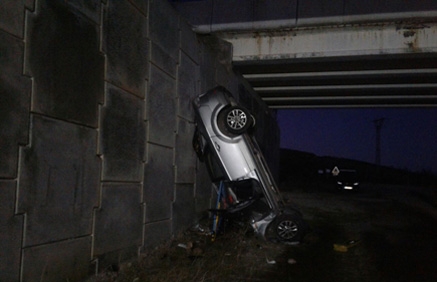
pixel 408 135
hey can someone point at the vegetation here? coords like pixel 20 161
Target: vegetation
pixel 297 166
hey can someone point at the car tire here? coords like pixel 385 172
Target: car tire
pixel 288 228
pixel 237 120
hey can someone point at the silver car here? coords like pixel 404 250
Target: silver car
pixel 223 140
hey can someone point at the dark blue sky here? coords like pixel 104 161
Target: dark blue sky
pixel 408 135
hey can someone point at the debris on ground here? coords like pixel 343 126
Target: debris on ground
pixel 235 255
pixel 385 247
pixel 343 248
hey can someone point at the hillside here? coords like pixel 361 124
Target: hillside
pixel 304 167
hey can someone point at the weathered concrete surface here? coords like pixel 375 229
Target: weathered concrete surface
pixel 190 44
pixel 12 16
pixel 334 41
pixel 188 83
pixel 11 234
pixel 90 8
pixel 64 60
pixel 158 183
pixel 15 90
pixel 59 181
pixel 164 27
pixel 183 206
pixel 118 219
pixel 161 108
pixel 202 197
pixel 156 233
pixel 60 261
pixel 127 63
pixel 122 136
pixel 96 129
pixel 185 160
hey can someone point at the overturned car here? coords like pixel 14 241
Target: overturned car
pixel 223 141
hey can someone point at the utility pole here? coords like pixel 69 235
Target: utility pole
pixel 378 125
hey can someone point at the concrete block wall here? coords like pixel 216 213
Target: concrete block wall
pixel 96 128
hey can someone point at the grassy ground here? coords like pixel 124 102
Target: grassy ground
pixel 395 230
pixel 236 255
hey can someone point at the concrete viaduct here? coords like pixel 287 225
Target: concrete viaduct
pixel 341 53
pixel 96 119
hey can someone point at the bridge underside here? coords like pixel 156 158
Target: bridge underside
pixel 375 65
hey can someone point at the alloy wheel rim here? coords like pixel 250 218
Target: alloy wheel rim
pixel 287 229
pixel 237 119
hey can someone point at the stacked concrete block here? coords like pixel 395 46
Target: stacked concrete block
pixel 208 62
pixel 161 108
pixel 185 159
pixel 118 223
pixel 96 132
pixel 12 14
pixel 165 37
pixel 159 189
pixel 188 83
pixel 183 208
pixel 15 91
pixel 122 136
pixel 59 170
pixel 64 60
pixel 11 232
pixel 119 217
pixel 159 183
pixel 126 45
pixel 90 8
pixel 202 196
pixel 58 181
pixel 155 233
pixel 67 260
pixel 188 73
pixel 58 189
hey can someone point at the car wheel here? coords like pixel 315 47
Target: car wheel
pixel 288 228
pixel 237 119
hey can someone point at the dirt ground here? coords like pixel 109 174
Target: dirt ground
pixel 379 233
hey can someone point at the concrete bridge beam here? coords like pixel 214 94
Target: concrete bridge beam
pixel 331 41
